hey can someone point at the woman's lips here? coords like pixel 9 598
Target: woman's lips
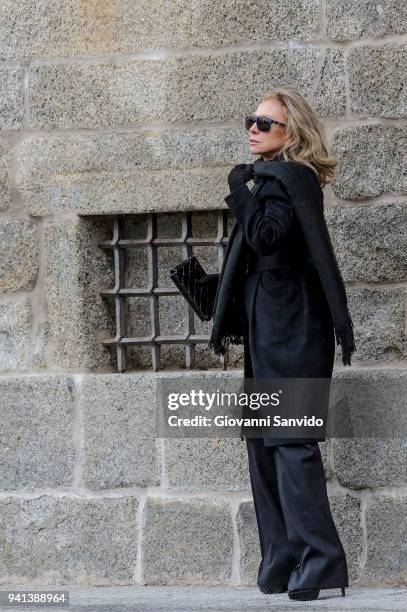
pixel 253 142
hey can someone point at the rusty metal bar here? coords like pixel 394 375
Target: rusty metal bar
pixel 221 247
pixel 141 243
pixel 141 292
pixel 153 276
pixel 151 340
pixel 186 234
pixel 120 302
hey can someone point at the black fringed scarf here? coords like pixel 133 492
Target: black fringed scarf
pixel 306 196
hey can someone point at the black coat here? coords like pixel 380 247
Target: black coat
pixel 287 316
pixel 289 331
pixel 306 198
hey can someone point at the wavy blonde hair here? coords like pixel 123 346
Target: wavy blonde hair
pixel 306 141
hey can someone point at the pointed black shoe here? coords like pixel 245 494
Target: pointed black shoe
pixel 274 588
pixel 303 594
pixel 308 594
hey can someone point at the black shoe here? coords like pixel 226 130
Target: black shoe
pixel 274 588
pixel 299 594
pixel 303 594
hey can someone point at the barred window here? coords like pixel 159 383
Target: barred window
pixel 155 326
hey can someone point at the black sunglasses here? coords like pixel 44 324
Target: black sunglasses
pixel 263 122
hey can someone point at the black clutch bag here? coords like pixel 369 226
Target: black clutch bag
pixel 197 287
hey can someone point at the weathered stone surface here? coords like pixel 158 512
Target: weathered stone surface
pixel 346 513
pixel 250 554
pixel 369 403
pixel 37 446
pixel 113 153
pixel 236 356
pixel 379 322
pixel 329 98
pixel 77 28
pixel 77 270
pixel 369 241
pixel 258 21
pixel 202 464
pixel 11 98
pixel 386 527
pixel 53 540
pixel 348 20
pixel 181 542
pixel 15 334
pixel 371 161
pixel 324 449
pixel 18 254
pixel 119 418
pixel 129 173
pixel 5 194
pixel 367 463
pixel 376 80
pixel 214 87
pixel 40 345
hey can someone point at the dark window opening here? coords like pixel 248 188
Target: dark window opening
pixel 155 327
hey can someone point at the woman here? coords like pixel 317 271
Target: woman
pixel 292 293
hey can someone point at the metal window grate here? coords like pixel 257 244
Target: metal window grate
pixel 120 245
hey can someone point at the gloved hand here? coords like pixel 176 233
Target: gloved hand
pixel 239 175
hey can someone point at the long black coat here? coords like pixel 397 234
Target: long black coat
pixel 289 331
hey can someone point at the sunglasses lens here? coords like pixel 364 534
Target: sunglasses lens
pixel 249 120
pixel 264 124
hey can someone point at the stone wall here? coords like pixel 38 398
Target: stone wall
pixel 133 107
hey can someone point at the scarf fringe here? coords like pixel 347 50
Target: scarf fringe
pixel 344 337
pixel 218 344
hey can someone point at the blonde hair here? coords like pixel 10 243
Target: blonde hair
pixel 306 134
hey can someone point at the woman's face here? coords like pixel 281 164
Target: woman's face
pixel 268 144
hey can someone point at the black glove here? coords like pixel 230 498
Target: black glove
pixel 239 175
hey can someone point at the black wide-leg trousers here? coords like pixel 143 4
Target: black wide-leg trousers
pixel 299 543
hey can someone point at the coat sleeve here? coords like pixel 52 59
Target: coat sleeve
pixel 264 226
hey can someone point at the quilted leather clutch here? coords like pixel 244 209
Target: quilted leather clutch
pixel 197 287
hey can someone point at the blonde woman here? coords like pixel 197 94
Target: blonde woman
pixel 280 292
